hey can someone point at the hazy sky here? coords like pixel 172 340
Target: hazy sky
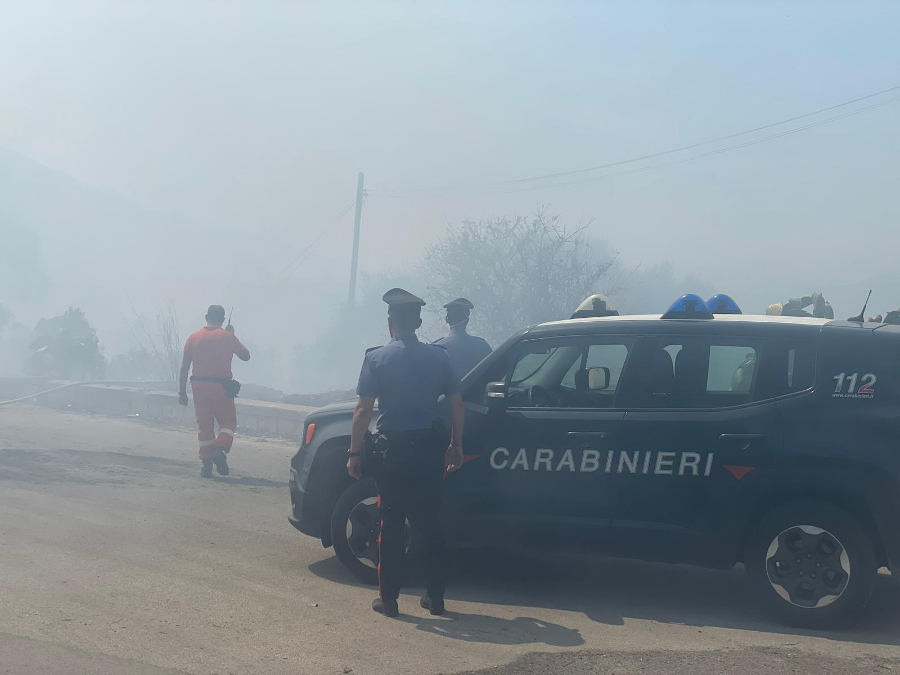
pixel 257 116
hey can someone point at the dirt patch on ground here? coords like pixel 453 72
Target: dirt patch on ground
pixel 81 467
pixel 733 661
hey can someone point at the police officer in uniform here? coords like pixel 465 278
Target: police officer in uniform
pixel 407 377
pixel 466 351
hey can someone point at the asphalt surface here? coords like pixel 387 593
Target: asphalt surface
pixel 116 557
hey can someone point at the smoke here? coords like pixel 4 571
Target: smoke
pixel 201 170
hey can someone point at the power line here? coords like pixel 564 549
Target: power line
pixel 496 184
pixel 720 151
pixel 309 250
pixel 702 143
pixel 293 266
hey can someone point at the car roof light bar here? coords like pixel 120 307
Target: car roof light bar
pixel 688 306
pixel 723 304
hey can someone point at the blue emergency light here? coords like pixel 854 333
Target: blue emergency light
pixel 723 304
pixel 688 306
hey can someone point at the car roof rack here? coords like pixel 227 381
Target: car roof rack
pixel 689 306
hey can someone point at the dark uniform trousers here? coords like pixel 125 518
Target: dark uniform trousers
pixel 409 483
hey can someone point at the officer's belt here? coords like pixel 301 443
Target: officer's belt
pixel 433 433
pixel 414 436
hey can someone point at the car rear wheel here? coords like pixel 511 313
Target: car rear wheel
pixel 811 564
pixel 355 528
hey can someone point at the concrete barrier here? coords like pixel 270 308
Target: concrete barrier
pixel 257 417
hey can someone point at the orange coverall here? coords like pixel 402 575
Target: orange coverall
pixel 211 350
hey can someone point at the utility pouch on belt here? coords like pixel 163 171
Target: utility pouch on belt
pixel 374 448
pixel 232 387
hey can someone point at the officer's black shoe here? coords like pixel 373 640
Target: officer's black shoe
pixel 221 462
pixel 386 607
pixel 206 469
pixel 436 607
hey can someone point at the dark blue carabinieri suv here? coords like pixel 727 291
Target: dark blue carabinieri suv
pixel 694 437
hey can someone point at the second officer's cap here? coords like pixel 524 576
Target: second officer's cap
pixel 399 299
pixel 460 303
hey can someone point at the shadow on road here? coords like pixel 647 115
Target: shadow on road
pixel 609 591
pixel 494 630
pixel 249 480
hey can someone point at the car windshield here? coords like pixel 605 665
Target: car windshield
pixel 545 367
pixel 530 365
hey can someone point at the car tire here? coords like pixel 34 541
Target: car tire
pixel 361 493
pixel 811 565
pixel 359 553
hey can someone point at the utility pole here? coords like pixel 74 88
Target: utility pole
pixel 354 260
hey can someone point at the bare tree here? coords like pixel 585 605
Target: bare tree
pixel 168 351
pixel 165 346
pixel 517 271
pixel 5 317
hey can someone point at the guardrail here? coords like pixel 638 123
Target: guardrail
pixel 140 400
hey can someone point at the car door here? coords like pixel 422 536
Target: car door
pixel 697 425
pixel 541 450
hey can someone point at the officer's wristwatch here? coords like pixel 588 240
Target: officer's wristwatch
pixel 354 454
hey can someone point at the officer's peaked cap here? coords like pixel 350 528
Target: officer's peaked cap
pixel 397 297
pixel 461 303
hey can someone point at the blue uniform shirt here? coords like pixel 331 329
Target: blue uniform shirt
pixel 407 377
pixel 466 351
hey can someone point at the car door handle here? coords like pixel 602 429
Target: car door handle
pixel 586 434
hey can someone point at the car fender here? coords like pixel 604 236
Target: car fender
pixel 861 490
pixel 320 468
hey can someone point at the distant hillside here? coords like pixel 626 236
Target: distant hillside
pixel 69 232
pixel 67 244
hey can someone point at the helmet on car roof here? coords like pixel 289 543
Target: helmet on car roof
pixel 595 305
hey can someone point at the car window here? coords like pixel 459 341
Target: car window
pixel 568 373
pixel 801 368
pixel 694 372
pixel 731 369
pixel 789 366
pixel 599 356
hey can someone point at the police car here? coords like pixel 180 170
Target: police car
pixel 702 436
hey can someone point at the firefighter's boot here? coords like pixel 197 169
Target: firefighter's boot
pixel 220 459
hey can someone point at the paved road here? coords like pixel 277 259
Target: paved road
pixel 115 557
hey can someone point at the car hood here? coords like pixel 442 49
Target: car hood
pixel 338 407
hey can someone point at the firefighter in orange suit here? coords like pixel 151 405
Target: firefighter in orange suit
pixel 210 350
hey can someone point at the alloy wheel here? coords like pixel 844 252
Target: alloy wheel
pixel 808 566
pixel 363 530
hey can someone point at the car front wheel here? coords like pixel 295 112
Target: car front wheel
pixel 811 564
pixel 355 528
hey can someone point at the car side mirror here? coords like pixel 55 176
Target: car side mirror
pixel 598 379
pixel 495 392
